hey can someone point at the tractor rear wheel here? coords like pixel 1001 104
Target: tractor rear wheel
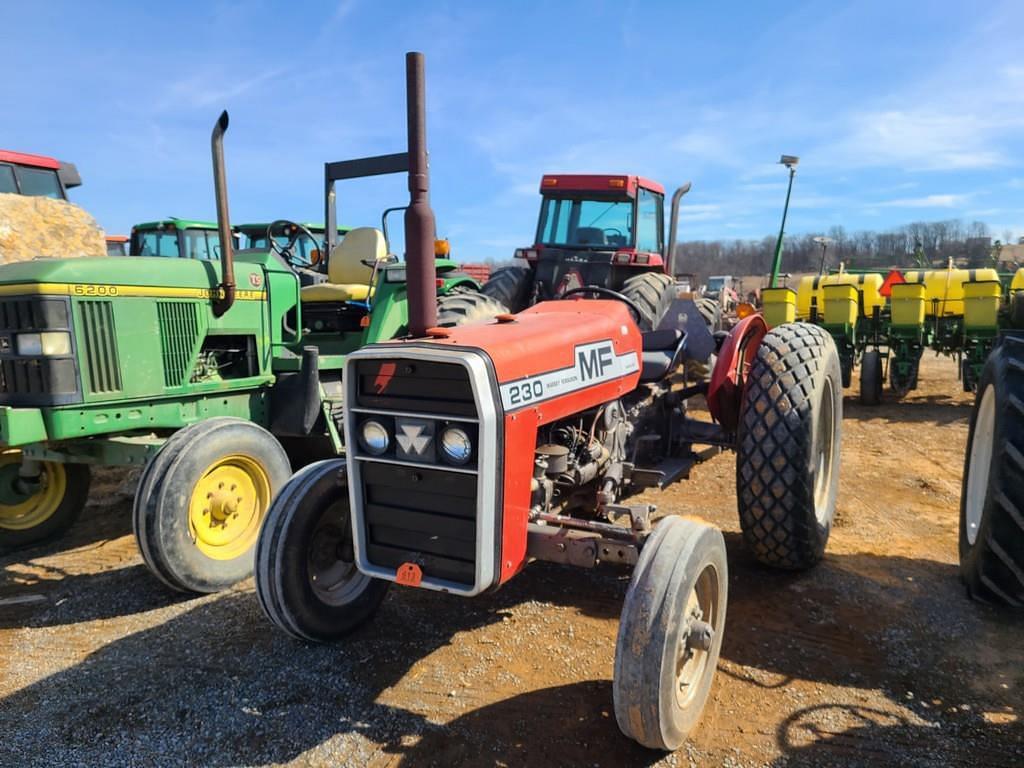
pixel 652 293
pixel 710 311
pixel 510 287
pixel 306 579
pixel 992 494
pixel 30 515
pixel 670 633
pixel 787 462
pixel 201 500
pixel 464 308
pixel 871 378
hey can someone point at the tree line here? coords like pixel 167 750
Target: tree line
pixel 927 244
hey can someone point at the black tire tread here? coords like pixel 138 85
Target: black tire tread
pixel 774 438
pixel 996 571
pixel 149 491
pixel 509 286
pixel 871 378
pixel 652 293
pixel 467 307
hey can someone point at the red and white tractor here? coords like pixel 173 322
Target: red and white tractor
pixel 472 451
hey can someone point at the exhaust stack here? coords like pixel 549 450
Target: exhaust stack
pixel 421 272
pixel 222 303
pixel 673 230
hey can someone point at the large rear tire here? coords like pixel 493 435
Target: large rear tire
pixel 992 494
pixel 28 518
pixel 510 287
pixel 464 308
pixel 871 378
pixel 652 293
pixel 201 500
pixel 787 462
pixel 306 580
pixel 670 633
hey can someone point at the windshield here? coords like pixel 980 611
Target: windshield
pixel 583 222
pixel 300 253
pixel 157 243
pixel 715 283
pixel 40 182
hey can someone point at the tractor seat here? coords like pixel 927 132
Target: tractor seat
pixel 590 236
pixel 348 277
pixel 662 351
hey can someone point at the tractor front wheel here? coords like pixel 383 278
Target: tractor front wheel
pixel 36 509
pixel 201 500
pixel 871 378
pixel 306 579
pixel 992 494
pixel 787 458
pixel 670 633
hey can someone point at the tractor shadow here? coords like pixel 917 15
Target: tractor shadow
pixel 900 625
pixel 875 737
pixel 936 410
pixel 217 685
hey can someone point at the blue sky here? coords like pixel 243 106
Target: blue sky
pixel 899 111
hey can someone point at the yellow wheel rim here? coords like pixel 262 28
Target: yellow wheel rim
pixel 227 506
pixel 20 512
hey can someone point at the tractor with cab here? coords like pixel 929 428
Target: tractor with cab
pixel 22 173
pixel 216 371
pixel 472 451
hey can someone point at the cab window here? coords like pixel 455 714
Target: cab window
pixel 7 180
pixel 158 243
pixel 40 182
pixel 650 221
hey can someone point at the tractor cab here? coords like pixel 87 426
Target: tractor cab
pixel 596 230
pixel 177 239
pixel 36 175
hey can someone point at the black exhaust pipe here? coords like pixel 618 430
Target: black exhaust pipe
pixel 421 272
pixel 673 230
pixel 226 293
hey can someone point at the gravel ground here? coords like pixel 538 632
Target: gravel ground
pixel 874 658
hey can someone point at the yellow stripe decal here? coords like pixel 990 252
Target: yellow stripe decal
pixel 106 290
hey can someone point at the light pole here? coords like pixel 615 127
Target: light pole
pixel 790 162
pixel 824 242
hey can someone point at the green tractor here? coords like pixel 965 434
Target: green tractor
pixel 177 239
pixel 218 373
pixel 300 245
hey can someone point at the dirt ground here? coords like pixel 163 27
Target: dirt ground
pixel 874 658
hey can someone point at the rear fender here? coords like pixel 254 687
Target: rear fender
pixel 725 391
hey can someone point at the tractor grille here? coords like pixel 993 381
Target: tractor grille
pixel 100 342
pixel 179 327
pixel 424 516
pixel 415 507
pixel 35 380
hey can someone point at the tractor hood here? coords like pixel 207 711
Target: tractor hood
pixel 132 275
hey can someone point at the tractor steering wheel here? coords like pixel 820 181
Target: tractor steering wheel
pixel 287 251
pixel 609 293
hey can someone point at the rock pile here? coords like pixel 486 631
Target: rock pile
pixel 32 227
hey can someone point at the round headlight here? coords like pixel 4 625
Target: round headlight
pixel 456 446
pixel 374 437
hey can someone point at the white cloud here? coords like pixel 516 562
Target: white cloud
pixel 928 201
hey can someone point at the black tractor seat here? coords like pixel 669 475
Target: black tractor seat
pixel 662 351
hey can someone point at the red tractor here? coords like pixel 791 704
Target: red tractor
pixel 475 450
pixel 36 175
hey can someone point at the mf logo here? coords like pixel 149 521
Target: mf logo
pixel 595 361
pixel 415 438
